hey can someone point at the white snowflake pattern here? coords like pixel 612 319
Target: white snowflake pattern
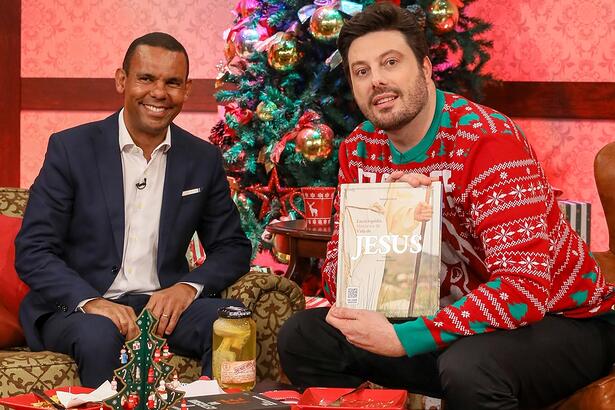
pixel 459 152
pixel 477 124
pixel 495 198
pixel 517 192
pixel 438 324
pixel 452 185
pixel 527 170
pixel 503 295
pixel 450 154
pixel 373 157
pixel 575 253
pixel 526 229
pixel 528 263
pixel 551 244
pixel 503 175
pixel 503 235
pixel 433 154
pixel 542 223
pixel 474 210
pixel 465 313
pixel 504 261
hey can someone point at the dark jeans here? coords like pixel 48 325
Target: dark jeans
pixel 524 368
pixel 94 342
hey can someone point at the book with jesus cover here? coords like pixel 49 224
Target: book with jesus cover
pixel 389 248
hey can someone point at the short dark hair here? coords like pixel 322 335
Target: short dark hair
pixel 383 17
pixel 155 39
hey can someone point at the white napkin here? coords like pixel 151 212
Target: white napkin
pixel 69 400
pixel 200 388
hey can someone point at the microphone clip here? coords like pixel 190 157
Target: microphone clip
pixel 141 184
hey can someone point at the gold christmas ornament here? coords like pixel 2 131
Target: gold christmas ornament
pixel 281 257
pixel 315 142
pixel 326 23
pixel 283 54
pixel 443 15
pixel 264 110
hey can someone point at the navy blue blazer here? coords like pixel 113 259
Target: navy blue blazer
pixel 71 241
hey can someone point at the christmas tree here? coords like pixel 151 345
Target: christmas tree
pixel 143 374
pixel 288 105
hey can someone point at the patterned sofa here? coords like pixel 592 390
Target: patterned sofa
pixel 271 298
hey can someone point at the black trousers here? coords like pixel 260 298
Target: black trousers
pixel 528 367
pixel 94 342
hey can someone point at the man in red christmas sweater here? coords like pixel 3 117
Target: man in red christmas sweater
pixel 526 316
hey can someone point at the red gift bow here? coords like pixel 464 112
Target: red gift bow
pixel 242 115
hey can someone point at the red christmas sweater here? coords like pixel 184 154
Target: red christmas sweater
pixel 508 255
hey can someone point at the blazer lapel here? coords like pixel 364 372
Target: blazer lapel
pixel 109 162
pixel 175 176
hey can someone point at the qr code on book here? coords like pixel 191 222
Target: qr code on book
pixel 352 295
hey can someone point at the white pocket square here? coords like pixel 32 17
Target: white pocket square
pixel 191 191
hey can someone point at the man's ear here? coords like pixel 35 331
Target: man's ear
pixel 188 89
pixel 120 80
pixel 427 68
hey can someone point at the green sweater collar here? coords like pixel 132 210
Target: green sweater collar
pixel 419 151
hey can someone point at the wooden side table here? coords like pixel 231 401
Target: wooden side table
pixel 301 244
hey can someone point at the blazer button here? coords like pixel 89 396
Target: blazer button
pixel 64 308
pixel 115 270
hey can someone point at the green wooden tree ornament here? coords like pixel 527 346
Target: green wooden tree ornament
pixel 142 378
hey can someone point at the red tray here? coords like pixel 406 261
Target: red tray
pixel 30 402
pixel 317 398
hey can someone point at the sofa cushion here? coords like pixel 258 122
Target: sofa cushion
pixel 13 289
pixel 21 369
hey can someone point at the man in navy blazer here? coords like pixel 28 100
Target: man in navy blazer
pixel 110 217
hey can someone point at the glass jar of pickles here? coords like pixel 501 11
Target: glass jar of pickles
pixel 234 348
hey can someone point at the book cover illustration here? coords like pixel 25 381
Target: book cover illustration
pixel 389 248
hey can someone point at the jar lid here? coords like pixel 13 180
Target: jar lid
pixel 234 312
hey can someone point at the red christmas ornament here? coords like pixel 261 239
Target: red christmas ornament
pixel 151 401
pixel 166 355
pixel 156 355
pixel 270 191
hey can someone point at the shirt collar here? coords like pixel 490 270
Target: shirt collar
pixel 126 141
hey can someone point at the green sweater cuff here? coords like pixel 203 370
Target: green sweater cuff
pixel 415 337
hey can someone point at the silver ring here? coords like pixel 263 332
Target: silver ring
pixel 164 315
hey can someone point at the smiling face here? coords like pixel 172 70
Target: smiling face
pixel 155 88
pixel 388 84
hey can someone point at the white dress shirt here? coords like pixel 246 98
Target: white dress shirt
pixel 143 187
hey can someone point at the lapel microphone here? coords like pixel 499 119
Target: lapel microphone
pixel 142 184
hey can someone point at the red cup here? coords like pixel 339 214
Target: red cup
pixel 318 203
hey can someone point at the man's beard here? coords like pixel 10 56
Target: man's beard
pixel 416 98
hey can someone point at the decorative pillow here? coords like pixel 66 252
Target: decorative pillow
pixel 12 289
pixel 10 330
